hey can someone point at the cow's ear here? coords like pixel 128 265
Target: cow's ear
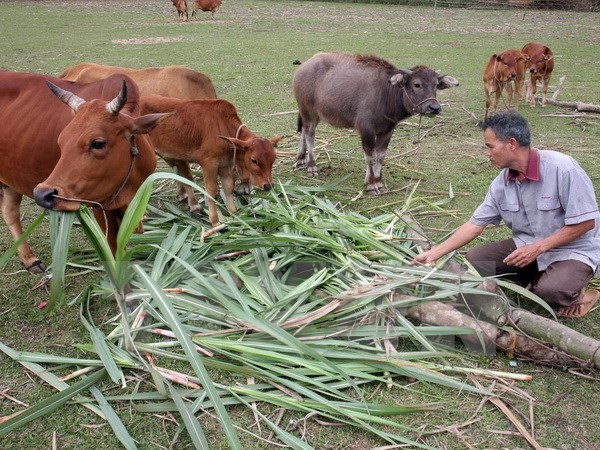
pixel 145 124
pixel 497 57
pixel 446 82
pixel 237 143
pixel 275 140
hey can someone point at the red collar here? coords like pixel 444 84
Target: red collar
pixel 533 168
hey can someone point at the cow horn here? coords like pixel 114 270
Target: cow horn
pixel 74 101
pixel 118 102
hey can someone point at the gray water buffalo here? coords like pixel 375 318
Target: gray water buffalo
pixel 366 93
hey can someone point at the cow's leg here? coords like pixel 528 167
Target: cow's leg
pixel 306 146
pixel 488 103
pixel 226 174
pixel 518 86
pixel 11 211
pixel 532 90
pixel 185 192
pixel 509 94
pixel 211 185
pixel 545 83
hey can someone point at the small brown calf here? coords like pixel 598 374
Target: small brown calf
pixel 210 133
pixel 500 72
pixel 181 7
pixel 540 66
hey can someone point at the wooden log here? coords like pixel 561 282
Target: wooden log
pixel 532 337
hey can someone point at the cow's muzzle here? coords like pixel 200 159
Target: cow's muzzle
pixel 45 197
pixel 267 187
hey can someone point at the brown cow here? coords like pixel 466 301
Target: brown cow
pixel 181 7
pixel 499 74
pixel 210 133
pixel 206 5
pixel 540 65
pixel 169 81
pixel 98 155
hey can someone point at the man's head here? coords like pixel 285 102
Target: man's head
pixel 507 125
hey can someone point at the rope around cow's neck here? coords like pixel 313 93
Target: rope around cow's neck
pixel 237 136
pixel 134 152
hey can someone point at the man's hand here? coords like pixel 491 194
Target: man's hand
pixel 425 258
pixel 523 256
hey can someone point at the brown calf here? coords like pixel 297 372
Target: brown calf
pixel 181 7
pixel 499 74
pixel 210 133
pixel 540 65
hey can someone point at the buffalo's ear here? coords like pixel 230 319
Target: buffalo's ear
pixel 399 79
pixel 446 82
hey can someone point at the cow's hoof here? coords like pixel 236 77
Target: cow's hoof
pixel 196 211
pixel 312 171
pixel 36 267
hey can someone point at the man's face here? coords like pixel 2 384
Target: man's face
pixel 497 151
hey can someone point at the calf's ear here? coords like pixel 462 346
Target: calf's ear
pixel 446 82
pixel 275 140
pixel 236 142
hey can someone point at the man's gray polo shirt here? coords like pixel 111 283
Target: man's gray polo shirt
pixel 556 192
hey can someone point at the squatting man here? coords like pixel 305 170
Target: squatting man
pixel 548 202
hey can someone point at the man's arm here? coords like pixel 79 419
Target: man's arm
pixel 465 234
pixel 528 253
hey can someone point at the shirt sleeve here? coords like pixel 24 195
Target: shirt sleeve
pixel 577 196
pixel 488 213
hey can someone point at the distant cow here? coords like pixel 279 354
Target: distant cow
pixel 540 65
pixel 500 72
pixel 206 5
pixel 366 93
pixel 181 7
pixel 99 155
pixel 210 133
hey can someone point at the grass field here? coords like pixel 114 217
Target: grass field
pixel 248 50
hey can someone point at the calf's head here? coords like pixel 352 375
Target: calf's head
pixel 541 62
pixel 420 85
pixel 102 162
pixel 507 65
pixel 254 158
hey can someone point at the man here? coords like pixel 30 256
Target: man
pixel 549 203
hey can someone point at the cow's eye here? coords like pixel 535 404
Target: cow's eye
pixel 254 161
pixel 417 84
pixel 98 144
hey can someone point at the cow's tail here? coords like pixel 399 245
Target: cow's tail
pixel 299 124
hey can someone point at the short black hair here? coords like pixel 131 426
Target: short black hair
pixel 508 125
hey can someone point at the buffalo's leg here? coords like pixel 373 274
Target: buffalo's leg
pixel 375 148
pixel 10 201
pixel 306 146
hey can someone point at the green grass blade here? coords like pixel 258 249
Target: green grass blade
pixel 192 355
pixel 61 224
pixel 52 403
pixel 8 254
pixel 192 425
pixel 113 420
